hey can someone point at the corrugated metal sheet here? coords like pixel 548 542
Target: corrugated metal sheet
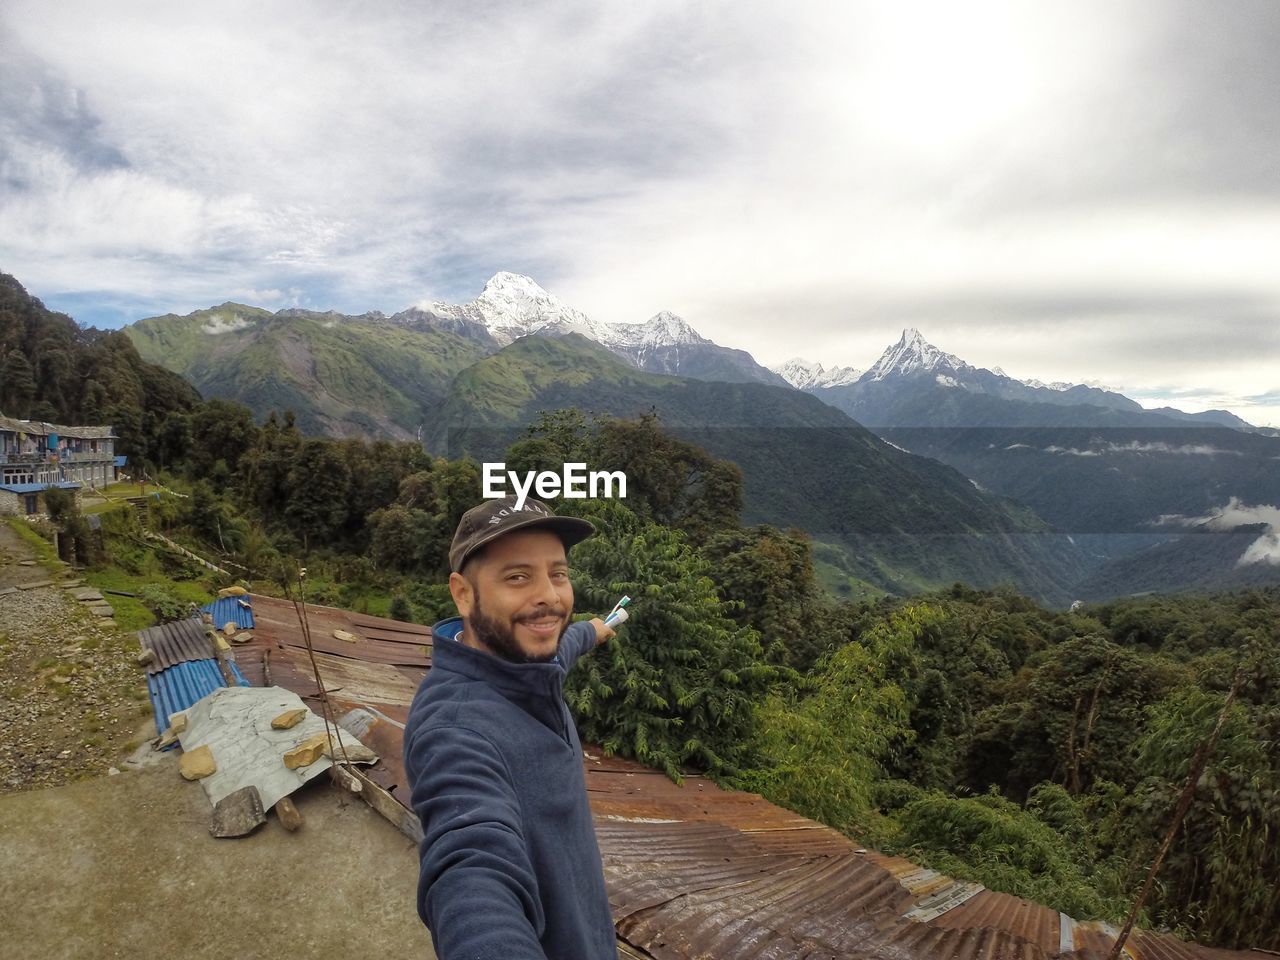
pixel 379 640
pixel 39 487
pixel 178 642
pixel 695 871
pixel 183 684
pixel 1032 922
pixel 237 610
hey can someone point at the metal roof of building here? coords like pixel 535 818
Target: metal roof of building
pixel 40 487
pixel 695 871
pixel 40 428
pixel 237 610
pixel 179 686
pixel 180 641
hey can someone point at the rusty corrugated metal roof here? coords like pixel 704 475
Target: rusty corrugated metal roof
pixel 694 871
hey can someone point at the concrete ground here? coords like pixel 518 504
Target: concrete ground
pixel 124 867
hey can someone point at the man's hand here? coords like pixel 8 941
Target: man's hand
pixel 603 630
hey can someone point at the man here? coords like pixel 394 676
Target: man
pixel 510 867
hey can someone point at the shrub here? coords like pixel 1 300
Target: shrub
pixel 164 604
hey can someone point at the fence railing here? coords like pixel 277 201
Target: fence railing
pixel 80 456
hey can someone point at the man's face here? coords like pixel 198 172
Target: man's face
pixel 523 578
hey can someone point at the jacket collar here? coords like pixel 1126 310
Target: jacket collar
pixel 537 688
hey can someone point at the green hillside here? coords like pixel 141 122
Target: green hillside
pixel 53 369
pixel 342 376
pixel 906 522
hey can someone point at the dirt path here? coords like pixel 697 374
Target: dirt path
pixel 73 702
pixel 125 867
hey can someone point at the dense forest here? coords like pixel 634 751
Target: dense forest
pixel 1037 751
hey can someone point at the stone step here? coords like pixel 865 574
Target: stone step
pixel 86 593
pixel 36 585
pixel 102 610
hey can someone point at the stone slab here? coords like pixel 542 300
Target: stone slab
pixel 238 814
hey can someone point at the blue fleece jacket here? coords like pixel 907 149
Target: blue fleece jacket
pixel 510 865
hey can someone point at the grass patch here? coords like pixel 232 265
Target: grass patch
pixel 44 550
pixel 130 613
pixel 114 497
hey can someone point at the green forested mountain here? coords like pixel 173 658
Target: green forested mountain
pixel 341 376
pixel 904 521
pixel 52 369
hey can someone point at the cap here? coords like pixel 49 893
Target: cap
pixel 494 518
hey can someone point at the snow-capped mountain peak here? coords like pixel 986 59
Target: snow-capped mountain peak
pixel 513 305
pixel 913 354
pixel 668 329
pixel 804 375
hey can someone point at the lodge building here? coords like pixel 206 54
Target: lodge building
pixel 35 456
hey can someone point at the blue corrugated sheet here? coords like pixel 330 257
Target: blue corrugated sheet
pixel 230 608
pixel 183 684
pixel 38 487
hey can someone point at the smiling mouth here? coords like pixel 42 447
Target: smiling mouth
pixel 545 627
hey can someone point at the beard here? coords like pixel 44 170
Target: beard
pixel 500 638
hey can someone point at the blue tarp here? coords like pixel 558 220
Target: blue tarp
pixel 121 461
pixel 235 609
pixel 181 685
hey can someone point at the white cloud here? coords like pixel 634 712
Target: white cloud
pixel 824 173
pixel 1138 446
pixel 225 323
pixel 1265 549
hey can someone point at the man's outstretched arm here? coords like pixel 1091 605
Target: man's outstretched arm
pixel 477 892
pixel 581 638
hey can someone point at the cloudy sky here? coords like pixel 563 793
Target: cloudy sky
pixel 1083 191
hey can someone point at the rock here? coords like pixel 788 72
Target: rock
pixel 145 657
pixel 290 718
pixel 355 751
pixel 86 593
pixel 289 816
pixel 35 585
pixel 306 753
pixel 238 814
pixel 178 721
pixel 5 591
pixel 348 637
pixel 229 628
pixel 243 636
pixel 102 609
pixel 199 763
pixel 232 592
pixel 112 772
pixel 26 563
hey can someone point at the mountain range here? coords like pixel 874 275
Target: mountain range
pixel 1088 460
